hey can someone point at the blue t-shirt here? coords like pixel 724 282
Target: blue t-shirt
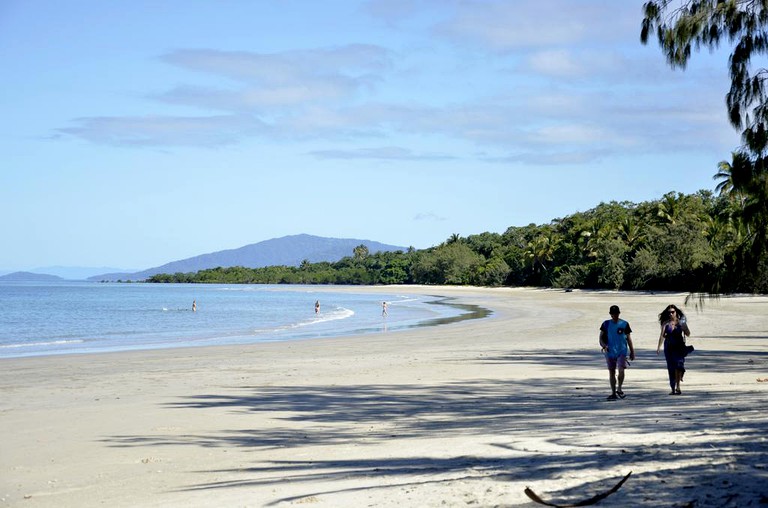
pixel 617 337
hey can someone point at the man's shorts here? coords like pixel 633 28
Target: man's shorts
pixel 620 362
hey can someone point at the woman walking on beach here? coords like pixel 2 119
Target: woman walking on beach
pixel 674 329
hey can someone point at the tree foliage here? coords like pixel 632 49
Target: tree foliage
pixel 680 26
pixel 678 242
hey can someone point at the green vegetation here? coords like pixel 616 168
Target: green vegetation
pixel 679 242
pixel 679 26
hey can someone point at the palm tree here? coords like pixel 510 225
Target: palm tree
pixel 746 179
pixel 669 208
pixel 541 250
pixel 735 177
pixel 360 252
pixel 454 238
pixel 631 232
pixel 591 240
pixel 725 175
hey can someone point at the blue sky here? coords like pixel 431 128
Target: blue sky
pixel 138 133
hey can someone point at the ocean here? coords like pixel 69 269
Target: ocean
pixel 91 317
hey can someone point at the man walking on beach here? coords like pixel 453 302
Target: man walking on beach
pixel 616 341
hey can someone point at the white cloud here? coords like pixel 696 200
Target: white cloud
pixel 556 158
pixel 258 99
pixel 164 130
pixel 508 26
pixel 392 11
pixel 505 26
pixel 380 153
pixel 556 63
pixel 572 95
pixel 286 67
pixel 429 216
pixel 278 80
pixel 557 103
pixel 568 134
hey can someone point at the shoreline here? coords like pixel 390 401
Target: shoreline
pixel 219 328
pixel 464 413
pixel 470 312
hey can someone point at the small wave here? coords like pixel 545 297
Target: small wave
pixel 334 315
pixel 39 344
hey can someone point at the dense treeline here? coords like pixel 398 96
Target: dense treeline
pixel 679 242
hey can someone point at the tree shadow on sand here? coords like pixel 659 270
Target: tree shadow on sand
pixel 714 361
pixel 546 429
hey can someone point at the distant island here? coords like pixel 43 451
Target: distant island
pixel 29 277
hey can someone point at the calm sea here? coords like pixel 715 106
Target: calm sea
pixel 87 317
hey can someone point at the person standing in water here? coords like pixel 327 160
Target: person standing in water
pixel 194 305
pixel 384 309
pixel 317 306
pixel 616 342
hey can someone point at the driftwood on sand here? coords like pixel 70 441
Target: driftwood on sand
pixel 592 500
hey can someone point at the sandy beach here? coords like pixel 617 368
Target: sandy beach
pixel 465 414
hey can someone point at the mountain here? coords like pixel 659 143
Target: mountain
pixel 288 250
pixel 76 272
pixel 29 277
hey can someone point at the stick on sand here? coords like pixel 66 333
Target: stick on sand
pixel 592 500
